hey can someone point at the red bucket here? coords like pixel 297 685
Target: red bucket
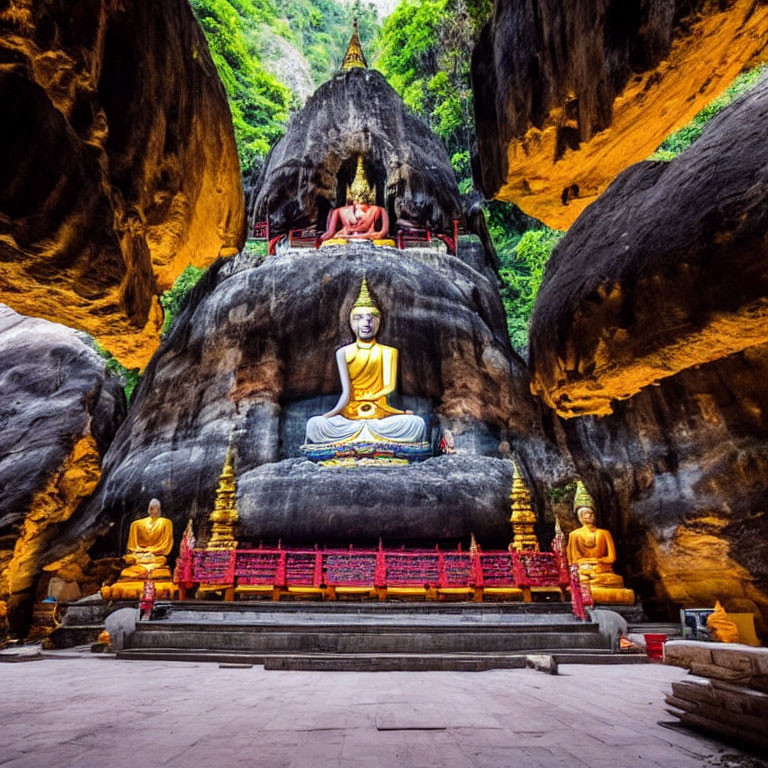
pixel 654 645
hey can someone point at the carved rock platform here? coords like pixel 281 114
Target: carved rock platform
pixel 252 355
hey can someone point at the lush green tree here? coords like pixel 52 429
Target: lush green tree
pixel 425 48
pixel 521 274
pixel 259 103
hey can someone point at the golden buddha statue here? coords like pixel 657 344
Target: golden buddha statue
pixel 593 551
pixel 368 373
pixel 359 219
pixel 150 541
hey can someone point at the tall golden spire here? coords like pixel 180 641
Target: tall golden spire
pixel 354 56
pixel 523 518
pixel 224 515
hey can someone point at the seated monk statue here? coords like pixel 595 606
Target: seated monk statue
pixel 359 219
pixel 593 551
pixel 368 372
pixel 150 540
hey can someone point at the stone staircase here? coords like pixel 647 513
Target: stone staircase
pixel 369 636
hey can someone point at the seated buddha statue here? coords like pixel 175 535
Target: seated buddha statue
pixel 359 219
pixel 368 373
pixel 150 540
pixel 592 550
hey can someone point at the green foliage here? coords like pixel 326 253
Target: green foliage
pixel 425 48
pixel 128 377
pixel 172 299
pixel 563 492
pixel 676 142
pixel 523 259
pixel 259 103
pixel 237 33
pixel 323 28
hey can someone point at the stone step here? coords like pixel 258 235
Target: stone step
pixel 362 607
pixel 407 637
pixel 362 662
pixel 70 635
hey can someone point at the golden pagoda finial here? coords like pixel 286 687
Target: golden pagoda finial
pixel 224 515
pixel 360 190
pixel 582 498
pixel 354 56
pixel 523 518
pixel 473 548
pixel 364 299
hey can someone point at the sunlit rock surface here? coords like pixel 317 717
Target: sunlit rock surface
pixel 118 164
pixel 681 475
pixel 59 409
pixel 252 355
pixel 356 113
pixel 567 95
pixel 667 270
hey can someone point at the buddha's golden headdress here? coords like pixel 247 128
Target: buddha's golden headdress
pixel 360 190
pixel 364 299
pixel 582 498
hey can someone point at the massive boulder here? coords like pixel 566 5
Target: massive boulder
pixel 252 353
pixel 568 94
pixel 119 166
pixel 356 113
pixel 663 281
pixel 59 409
pixel 667 270
pixel 680 472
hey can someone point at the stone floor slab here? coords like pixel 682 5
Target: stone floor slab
pixel 96 711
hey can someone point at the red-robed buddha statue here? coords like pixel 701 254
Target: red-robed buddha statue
pixel 359 219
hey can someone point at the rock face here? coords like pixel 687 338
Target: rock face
pixel 59 409
pixel 664 280
pixel 567 95
pixel 253 350
pixel 681 475
pixel 667 270
pixel 356 113
pixel 119 168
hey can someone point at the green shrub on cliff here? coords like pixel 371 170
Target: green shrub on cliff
pixel 128 377
pixel 172 299
pixel 676 142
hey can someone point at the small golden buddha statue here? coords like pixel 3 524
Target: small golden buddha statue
pixel 593 551
pixel 150 541
pixel 368 373
pixel 359 219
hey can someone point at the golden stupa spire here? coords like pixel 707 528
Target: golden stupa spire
pixel 224 515
pixel 523 518
pixel 354 56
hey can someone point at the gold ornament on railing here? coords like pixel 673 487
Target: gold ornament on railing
pixel 523 518
pixel 224 515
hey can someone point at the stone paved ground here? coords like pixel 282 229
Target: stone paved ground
pixel 96 712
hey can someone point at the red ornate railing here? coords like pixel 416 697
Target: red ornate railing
pixel 380 571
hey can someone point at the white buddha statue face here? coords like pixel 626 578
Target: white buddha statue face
pixel 365 322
